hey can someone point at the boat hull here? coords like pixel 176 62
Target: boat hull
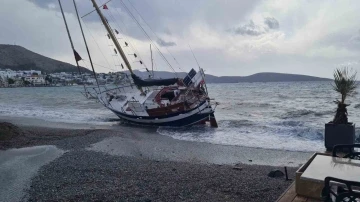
pixel 195 116
pixel 188 121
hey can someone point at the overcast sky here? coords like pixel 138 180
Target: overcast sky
pixel 228 37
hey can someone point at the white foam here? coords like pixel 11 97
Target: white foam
pixel 283 138
pixel 69 115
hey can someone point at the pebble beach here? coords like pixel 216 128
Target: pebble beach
pixel 134 164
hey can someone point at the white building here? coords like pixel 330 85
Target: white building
pixel 31 72
pixel 7 73
pixel 36 80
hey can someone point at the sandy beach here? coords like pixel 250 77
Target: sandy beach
pixel 134 164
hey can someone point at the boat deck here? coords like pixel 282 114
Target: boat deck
pixel 291 196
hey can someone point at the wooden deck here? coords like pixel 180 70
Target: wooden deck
pixel 290 196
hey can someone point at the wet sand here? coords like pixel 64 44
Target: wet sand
pixel 137 164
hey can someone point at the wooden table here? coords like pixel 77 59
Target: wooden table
pixel 321 167
pixel 290 196
pixel 327 166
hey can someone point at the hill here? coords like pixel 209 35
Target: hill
pixel 19 58
pixel 259 77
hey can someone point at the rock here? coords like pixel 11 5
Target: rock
pixel 237 168
pixel 276 173
pixel 209 191
pixel 8 131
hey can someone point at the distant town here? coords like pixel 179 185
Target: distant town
pixel 35 78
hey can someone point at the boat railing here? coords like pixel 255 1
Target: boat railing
pixel 119 88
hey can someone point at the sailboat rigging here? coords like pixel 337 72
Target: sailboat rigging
pixel 86 92
pixel 152 63
pixel 156 102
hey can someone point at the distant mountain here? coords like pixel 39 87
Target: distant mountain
pixel 259 77
pixel 19 58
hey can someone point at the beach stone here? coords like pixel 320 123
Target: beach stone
pixel 276 173
pixel 8 131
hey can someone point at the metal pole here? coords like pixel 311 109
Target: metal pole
pixel 201 70
pixel 87 49
pixel 117 45
pixel 286 174
pixel 152 62
pixel 71 42
pixel 112 36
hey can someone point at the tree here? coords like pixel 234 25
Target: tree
pixel 345 84
pixel 48 79
pixel 11 81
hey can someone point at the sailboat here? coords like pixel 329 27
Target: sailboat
pixel 174 102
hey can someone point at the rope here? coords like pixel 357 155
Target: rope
pixel 158 38
pixel 113 19
pixel 131 46
pixel 96 44
pixel 101 66
pixel 137 22
pixel 94 9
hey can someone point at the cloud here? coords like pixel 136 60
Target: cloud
pixel 271 22
pixel 232 38
pixel 249 29
pixel 163 43
pixel 252 29
pixel 356 38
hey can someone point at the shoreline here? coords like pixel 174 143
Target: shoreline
pixel 145 140
pixel 135 164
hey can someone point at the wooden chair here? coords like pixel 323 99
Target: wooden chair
pixel 344 193
pixel 346 151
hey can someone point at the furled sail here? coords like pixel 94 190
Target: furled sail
pixel 153 82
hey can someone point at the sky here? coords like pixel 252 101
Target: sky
pixel 227 37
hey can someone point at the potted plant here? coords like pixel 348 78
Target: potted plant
pixel 340 131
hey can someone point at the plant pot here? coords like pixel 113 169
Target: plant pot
pixel 339 134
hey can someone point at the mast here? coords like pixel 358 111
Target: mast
pixel 87 49
pixel 152 62
pixel 112 36
pixel 200 69
pixel 71 42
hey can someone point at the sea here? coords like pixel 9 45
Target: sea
pixel 273 115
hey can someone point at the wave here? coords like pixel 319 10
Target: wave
pixel 356 106
pixel 283 96
pixel 304 112
pixel 235 123
pixel 284 135
pixel 53 114
pixel 291 123
pixel 253 104
pixel 297 113
pixel 323 113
